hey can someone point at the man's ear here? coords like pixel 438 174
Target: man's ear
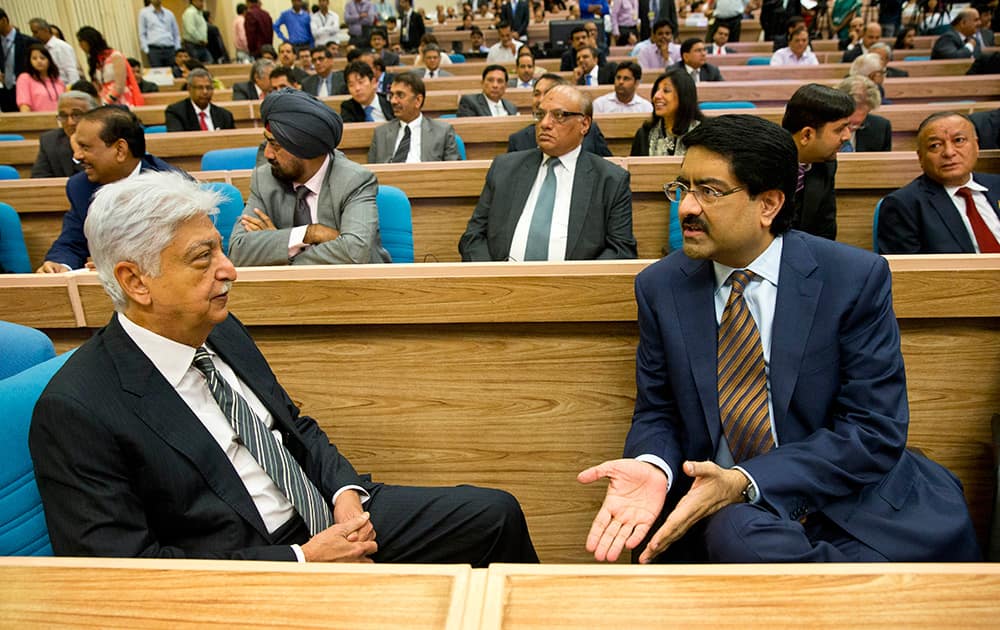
pixel 771 202
pixel 133 282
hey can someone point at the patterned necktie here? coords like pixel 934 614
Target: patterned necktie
pixel 368 113
pixel 537 247
pixel 800 183
pixel 272 456
pixel 742 381
pixel 201 121
pixel 984 237
pixel 403 150
pixel 302 216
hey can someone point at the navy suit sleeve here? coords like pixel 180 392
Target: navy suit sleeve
pixel 950 46
pixel 594 141
pixel 474 245
pixel 174 120
pixel 898 226
pixel 70 248
pixel 863 433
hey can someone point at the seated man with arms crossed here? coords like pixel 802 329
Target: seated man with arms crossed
pixel 166 435
pixel 556 202
pixel 309 205
pixel 949 209
pixel 771 414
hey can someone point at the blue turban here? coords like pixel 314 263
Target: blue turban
pixel 301 123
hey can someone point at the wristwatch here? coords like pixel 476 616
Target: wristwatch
pixel 750 494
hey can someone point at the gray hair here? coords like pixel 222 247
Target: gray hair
pixel 77 95
pixel 261 68
pixel 136 218
pixel 867 64
pixel 862 89
pixel 199 73
pixel 40 23
pixel 882 46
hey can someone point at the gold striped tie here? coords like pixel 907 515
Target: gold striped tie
pixel 742 381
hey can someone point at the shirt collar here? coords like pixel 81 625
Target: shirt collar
pixel 414 124
pixel 766 266
pixel 198 110
pixel 315 183
pixel 567 159
pixel 171 358
pixel 971 184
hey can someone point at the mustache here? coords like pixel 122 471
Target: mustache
pixel 226 286
pixel 695 223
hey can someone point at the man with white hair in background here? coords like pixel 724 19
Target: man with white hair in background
pixel 869 132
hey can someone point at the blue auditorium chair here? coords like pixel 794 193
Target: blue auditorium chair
pixel 395 222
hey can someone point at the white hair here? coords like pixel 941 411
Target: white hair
pixel 862 89
pixel 867 64
pixel 136 218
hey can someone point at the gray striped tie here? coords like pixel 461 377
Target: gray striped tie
pixel 273 457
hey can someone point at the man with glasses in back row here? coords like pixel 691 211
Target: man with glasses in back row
pixel 771 414
pixel 556 202
pixel 55 155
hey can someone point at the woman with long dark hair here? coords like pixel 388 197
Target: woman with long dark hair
pixel 675 112
pixel 39 87
pixel 109 70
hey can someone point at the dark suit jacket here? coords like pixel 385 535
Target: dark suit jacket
pixel 605 74
pixel 414 32
pixel 600 209
pixel 875 135
pixel 389 58
pixel 568 60
pixel 476 105
pixel 951 45
pixel 156 482
pixel 593 142
pixel 337 82
pixel 707 72
pixel 352 111
pixel 852 54
pixel 987 128
pixel 20 52
pixel 71 246
pixel 55 156
pixel 245 91
pixel 816 203
pixel 838 392
pixel 919 218
pixel 181 116
pixel 518 15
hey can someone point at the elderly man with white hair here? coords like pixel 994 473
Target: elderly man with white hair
pixel 884 51
pixel 872 67
pixel 869 132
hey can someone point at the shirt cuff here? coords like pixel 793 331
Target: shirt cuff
pixel 662 465
pixel 299 556
pixel 296 240
pixel 361 491
pixel 752 482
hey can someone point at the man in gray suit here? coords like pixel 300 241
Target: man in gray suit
pixel 309 205
pixel 412 137
pixel 55 155
pixel 489 102
pixel 259 84
pixel 556 202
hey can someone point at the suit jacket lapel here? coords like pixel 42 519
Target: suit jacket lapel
pixel 945 207
pixel 159 406
pixel 579 201
pixel 696 317
pixel 794 310
pixel 525 173
pixel 992 196
pixel 426 140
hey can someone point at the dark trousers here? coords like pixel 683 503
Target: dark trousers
pixel 161 56
pixel 8 100
pixel 198 52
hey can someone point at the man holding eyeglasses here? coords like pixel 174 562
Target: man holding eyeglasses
pixel 556 202
pixel 309 205
pixel 771 415
pixel 819 119
pixel 55 155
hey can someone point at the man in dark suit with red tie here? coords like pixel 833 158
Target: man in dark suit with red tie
pixel 949 209
pixel 197 113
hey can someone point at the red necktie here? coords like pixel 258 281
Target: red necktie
pixel 201 121
pixel 984 237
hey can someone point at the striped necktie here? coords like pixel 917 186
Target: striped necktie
pixel 742 380
pixel 272 456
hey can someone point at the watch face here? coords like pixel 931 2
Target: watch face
pixel 750 493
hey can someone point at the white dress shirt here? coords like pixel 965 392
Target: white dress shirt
pixel 609 104
pixel 65 59
pixel 496 107
pixel 208 115
pixel 564 173
pixel 761 297
pixel 988 215
pixel 414 125
pixel 500 54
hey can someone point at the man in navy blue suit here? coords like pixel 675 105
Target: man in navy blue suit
pixel 109 143
pixel 931 214
pixel 771 414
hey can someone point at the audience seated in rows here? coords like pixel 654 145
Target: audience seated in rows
pixel 525 77
pixel 593 141
pixel 589 72
pixel 489 102
pixel 694 62
pixel 675 112
pixel 798 52
pixel 365 104
pixel 871 35
pixel 55 155
pixel 869 132
pixel 624 99
pixel 413 137
pixel 259 84
pixel 197 112
pixel 326 81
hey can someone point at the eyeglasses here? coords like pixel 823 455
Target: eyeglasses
pixel 704 195
pixel 558 115
pixel 74 115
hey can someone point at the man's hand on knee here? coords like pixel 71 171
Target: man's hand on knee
pixel 334 543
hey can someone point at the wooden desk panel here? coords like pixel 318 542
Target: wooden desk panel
pixel 39 301
pixel 120 593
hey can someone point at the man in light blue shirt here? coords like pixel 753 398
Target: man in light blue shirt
pixel 159 36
